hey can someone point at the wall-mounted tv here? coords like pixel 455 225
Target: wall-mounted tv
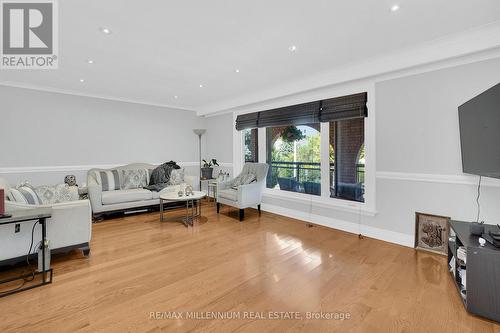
pixel 480 133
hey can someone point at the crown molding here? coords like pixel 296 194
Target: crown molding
pixel 480 43
pixel 23 85
pixel 473 45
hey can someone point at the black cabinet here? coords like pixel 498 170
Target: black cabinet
pixel 477 278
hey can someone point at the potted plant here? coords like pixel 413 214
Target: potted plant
pixel 207 170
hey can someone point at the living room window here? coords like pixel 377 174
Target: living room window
pixel 251 145
pixel 347 159
pixel 315 148
pixel 293 155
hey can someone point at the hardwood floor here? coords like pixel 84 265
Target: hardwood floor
pixel 269 263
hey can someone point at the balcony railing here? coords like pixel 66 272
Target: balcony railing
pixel 305 177
pixel 306 171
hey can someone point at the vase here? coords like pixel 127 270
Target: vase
pixel 206 173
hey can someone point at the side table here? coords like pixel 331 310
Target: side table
pixel 25 215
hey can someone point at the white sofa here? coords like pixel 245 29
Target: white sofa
pixel 70 227
pixel 121 200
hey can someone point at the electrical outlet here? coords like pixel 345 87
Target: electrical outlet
pixel 17 228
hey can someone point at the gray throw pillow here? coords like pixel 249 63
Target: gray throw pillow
pixel 57 194
pixel 176 177
pixel 132 179
pixel 243 180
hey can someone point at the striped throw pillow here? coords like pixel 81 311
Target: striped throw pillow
pixel 24 194
pixel 110 180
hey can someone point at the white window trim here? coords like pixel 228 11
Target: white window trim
pixel 368 207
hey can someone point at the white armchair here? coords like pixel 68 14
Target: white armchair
pixel 244 196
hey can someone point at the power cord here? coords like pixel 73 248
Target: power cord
pixel 29 265
pixel 477 199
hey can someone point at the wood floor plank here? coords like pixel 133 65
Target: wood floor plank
pixel 268 263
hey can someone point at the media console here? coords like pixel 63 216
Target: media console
pixel 475 271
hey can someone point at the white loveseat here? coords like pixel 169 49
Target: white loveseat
pixel 121 199
pixel 70 227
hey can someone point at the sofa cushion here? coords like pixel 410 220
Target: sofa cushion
pixel 229 194
pixel 110 180
pixel 170 188
pixel 120 196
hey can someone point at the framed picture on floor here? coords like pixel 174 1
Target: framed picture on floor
pixel 431 233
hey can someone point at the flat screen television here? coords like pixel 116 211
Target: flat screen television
pixel 479 121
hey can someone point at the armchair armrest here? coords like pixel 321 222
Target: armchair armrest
pixel 95 196
pixel 224 185
pixel 250 194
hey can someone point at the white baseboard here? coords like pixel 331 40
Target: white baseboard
pixel 369 231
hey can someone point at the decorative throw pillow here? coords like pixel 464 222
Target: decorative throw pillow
pixel 243 180
pixel 24 194
pixel 57 194
pixel 110 180
pixel 134 179
pixel 176 177
pixel 148 174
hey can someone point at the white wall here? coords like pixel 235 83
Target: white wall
pixel 219 137
pixel 418 160
pixel 418 135
pixel 44 135
pixel 219 141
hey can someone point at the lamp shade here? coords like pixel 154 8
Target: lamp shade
pixel 199 131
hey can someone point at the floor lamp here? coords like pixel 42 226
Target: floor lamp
pixel 199 132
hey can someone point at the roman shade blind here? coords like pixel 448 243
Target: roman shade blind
pixel 245 121
pixel 345 107
pixel 300 114
pixel 338 108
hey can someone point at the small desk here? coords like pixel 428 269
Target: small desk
pixel 26 215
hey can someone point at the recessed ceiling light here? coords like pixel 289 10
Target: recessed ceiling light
pixel 105 30
pixel 176 96
pixel 394 8
pixel 292 48
pixel 201 86
pixel 82 80
pixel 237 70
pixel 90 61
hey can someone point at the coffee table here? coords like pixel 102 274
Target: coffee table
pixel 193 200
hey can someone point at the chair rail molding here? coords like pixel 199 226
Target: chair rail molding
pixel 59 168
pixel 437 178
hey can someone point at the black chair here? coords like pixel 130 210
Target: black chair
pixel 312 188
pixel 288 184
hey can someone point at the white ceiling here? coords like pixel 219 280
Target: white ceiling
pixel 159 49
